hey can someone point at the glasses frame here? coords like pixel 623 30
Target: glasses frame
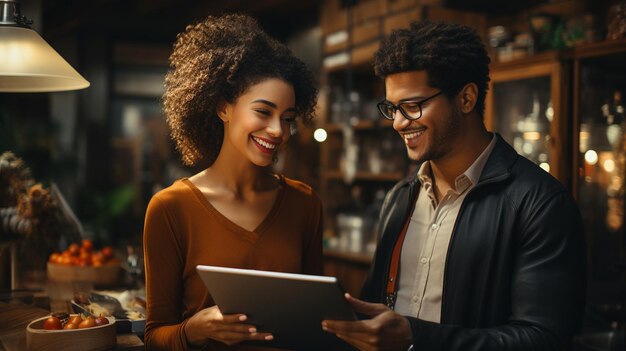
pixel 397 107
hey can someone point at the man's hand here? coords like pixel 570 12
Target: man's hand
pixel 386 330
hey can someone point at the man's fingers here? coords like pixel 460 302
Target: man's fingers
pixel 359 344
pixel 345 327
pixel 367 308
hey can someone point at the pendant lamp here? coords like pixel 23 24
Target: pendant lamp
pixel 27 63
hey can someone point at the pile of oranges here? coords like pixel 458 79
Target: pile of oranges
pixel 83 254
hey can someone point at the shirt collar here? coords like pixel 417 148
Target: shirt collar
pixel 465 180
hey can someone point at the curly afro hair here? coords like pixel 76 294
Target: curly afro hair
pixel 216 60
pixel 452 55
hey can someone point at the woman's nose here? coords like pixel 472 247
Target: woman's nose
pixel 275 127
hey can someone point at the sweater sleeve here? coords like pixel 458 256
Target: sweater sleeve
pixel 312 251
pixel 164 271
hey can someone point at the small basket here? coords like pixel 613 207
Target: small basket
pixel 88 339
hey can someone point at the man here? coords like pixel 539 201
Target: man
pixel 481 249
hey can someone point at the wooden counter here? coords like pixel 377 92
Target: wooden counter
pixel 15 315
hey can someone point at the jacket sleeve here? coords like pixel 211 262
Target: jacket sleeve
pixel 547 292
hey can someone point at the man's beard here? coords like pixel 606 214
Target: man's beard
pixel 440 144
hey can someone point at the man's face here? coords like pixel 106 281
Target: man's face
pixel 433 135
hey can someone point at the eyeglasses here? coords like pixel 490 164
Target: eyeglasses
pixel 411 110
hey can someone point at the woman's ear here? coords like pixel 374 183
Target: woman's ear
pixel 223 110
pixel 468 97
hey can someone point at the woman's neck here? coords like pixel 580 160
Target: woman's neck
pixel 238 176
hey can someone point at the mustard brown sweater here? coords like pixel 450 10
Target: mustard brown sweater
pixel 183 230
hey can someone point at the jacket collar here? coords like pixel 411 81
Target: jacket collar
pixel 500 162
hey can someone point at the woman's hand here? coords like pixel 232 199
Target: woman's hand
pixel 229 329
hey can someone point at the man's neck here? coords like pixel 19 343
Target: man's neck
pixel 446 170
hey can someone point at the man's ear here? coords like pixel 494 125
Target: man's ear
pixel 468 97
pixel 223 109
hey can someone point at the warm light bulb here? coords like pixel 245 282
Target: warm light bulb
pixel 591 157
pixel 320 135
pixel 609 165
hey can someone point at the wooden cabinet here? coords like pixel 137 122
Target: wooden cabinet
pixel 527 104
pixel 599 169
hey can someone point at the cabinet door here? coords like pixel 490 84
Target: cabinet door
pixel 524 107
pixel 600 157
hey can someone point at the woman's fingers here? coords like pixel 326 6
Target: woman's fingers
pixel 231 338
pixel 235 328
pixel 232 318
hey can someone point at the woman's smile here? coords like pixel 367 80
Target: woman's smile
pixel 265 145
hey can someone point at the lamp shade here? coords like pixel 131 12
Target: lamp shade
pixel 29 65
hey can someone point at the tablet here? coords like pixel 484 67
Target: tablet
pixel 290 306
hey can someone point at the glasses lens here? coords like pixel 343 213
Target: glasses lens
pixel 411 109
pixel 386 110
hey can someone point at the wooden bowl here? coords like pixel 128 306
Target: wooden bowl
pixel 107 274
pixel 88 339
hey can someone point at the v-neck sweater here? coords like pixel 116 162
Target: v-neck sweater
pixel 182 229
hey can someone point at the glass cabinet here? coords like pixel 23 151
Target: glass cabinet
pixel 525 106
pixel 600 170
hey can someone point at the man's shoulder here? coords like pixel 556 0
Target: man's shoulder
pixel 521 173
pixel 529 175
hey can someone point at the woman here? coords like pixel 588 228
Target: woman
pixel 232 96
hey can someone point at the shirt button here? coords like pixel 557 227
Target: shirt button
pixel 423 260
pixel 434 226
pixel 415 299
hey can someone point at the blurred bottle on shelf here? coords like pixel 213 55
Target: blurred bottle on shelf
pixel 616 21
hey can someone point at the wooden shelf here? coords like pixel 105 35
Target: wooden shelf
pixel 601 48
pixel 367 176
pixel 361 258
pixel 547 56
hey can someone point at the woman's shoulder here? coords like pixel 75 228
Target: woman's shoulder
pixel 176 192
pixel 299 189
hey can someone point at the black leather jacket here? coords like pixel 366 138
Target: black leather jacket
pixel 515 274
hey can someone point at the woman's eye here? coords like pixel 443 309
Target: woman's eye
pixel 264 112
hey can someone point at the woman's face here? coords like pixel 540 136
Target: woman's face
pixel 259 121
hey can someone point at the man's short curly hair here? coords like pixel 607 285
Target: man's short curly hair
pixel 218 59
pixel 451 54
